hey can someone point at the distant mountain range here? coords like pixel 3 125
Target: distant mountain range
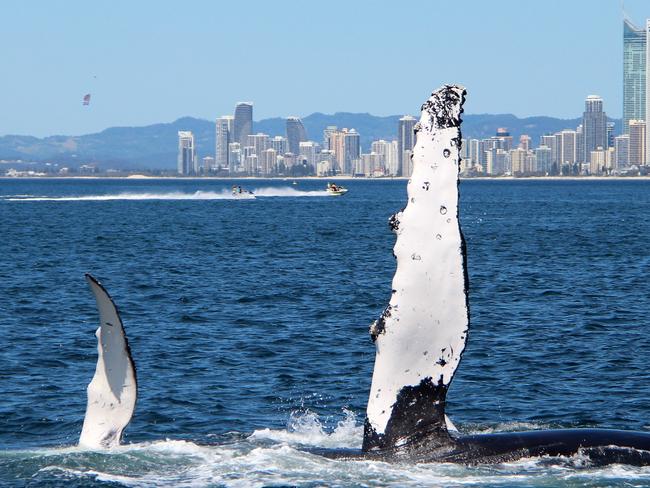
pixel 154 147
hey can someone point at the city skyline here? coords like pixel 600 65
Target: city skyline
pixel 64 52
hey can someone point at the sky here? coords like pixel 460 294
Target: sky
pixel 149 61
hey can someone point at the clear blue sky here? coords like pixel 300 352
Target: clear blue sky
pixel 154 61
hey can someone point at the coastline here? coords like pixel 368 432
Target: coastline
pixel 322 178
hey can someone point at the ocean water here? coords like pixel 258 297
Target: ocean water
pixel 248 321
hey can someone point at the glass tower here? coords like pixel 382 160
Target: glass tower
pixel 634 74
pixel 295 134
pixel 243 123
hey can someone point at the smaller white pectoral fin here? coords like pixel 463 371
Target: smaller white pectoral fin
pixel 112 393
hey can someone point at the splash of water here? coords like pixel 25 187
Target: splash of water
pixel 197 195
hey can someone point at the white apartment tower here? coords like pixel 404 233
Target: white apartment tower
pixel 187 162
pixel 225 126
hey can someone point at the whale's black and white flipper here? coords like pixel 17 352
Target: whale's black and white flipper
pixel 113 390
pixel 422 333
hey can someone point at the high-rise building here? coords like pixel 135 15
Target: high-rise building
pixel 234 158
pixel 474 151
pixel 268 162
pixel 329 130
pixel 518 161
pixel 637 147
pixel 525 142
pixel 543 155
pixel 369 165
pixel 550 142
pixel 352 142
pixel 336 143
pixel 207 165
pixel 610 134
pixel 186 155
pixel 295 134
pixel 243 123
pixel 326 162
pixel 405 140
pixel 647 83
pixel 280 145
pixel 598 161
pixel 260 143
pixel 634 73
pixel 308 153
pixel 621 151
pixel 224 133
pixel 580 144
pixel 567 148
pixel 504 139
pixel 495 162
pixel 594 126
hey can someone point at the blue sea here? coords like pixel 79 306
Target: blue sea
pixel 248 322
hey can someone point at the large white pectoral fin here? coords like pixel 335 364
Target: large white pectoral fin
pixel 422 333
pixel 112 393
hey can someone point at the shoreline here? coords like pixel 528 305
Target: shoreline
pixel 322 178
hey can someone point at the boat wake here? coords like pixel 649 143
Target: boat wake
pixel 275 457
pixel 225 194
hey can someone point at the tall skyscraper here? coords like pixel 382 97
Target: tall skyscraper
pixel 637 147
pixel 634 73
pixel 186 155
pixel 405 140
pixel 243 124
pixel 352 142
pixel 224 133
pixel 647 82
pixel 295 134
pixel 594 126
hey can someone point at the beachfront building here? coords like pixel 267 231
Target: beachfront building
pixel 295 134
pixel 637 141
pixel 621 151
pixel 405 142
pixel 224 132
pixel 187 162
pixel 594 126
pixel 634 73
pixel 243 123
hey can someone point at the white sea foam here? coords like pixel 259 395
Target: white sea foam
pixel 271 191
pixel 307 429
pixel 274 458
pixel 225 194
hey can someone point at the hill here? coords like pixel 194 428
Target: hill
pixel 154 147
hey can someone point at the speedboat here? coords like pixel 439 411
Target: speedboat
pixel 335 190
pixel 239 192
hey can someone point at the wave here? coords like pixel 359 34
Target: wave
pixel 197 195
pixel 270 457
